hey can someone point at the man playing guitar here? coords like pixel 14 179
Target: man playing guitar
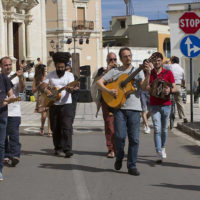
pixel 126 118
pixel 12 145
pixel 61 112
pixel 5 90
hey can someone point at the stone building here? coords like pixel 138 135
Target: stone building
pixel 23 30
pixel 75 26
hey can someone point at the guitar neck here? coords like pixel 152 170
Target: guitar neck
pixel 13 76
pixel 133 74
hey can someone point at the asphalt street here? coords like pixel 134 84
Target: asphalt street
pixel 89 175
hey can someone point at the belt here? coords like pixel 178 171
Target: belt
pixel 178 84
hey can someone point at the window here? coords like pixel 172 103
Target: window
pixel 166 48
pixel 123 24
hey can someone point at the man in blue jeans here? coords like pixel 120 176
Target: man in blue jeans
pixel 160 104
pixel 12 144
pixel 5 90
pixel 126 118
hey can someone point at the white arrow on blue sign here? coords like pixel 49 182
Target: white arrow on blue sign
pixel 190 46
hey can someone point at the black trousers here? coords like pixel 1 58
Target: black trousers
pixel 61 120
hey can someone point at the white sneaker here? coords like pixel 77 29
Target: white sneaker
pixel 1 177
pixel 164 155
pixel 147 130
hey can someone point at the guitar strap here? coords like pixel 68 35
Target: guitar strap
pixel 156 76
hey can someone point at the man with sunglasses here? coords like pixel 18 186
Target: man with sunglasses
pixel 108 112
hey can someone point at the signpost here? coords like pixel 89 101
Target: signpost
pixel 189 23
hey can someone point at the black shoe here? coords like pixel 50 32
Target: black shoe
pixel 14 161
pixel 68 154
pixel 159 161
pixel 118 164
pixel 134 172
pixel 185 120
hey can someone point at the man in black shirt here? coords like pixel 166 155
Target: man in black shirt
pixel 5 90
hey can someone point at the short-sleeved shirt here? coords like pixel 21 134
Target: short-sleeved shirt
pixel 14 109
pixel 53 80
pixel 177 71
pixel 167 77
pixel 5 86
pixel 133 100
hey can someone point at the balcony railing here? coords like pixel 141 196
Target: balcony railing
pixel 82 25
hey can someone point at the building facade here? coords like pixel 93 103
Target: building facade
pixel 75 26
pixel 175 11
pixel 137 31
pixel 23 30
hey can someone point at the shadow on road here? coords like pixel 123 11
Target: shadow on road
pixel 77 167
pixel 194 149
pixel 183 187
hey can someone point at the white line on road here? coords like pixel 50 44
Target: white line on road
pixel 80 184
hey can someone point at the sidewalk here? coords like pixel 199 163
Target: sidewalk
pixel 85 115
pixel 85 118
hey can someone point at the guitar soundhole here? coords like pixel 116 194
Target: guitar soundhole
pixel 122 84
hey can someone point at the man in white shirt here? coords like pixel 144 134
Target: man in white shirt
pixel 179 77
pixel 61 113
pixel 12 145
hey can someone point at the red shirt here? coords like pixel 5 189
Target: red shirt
pixel 169 77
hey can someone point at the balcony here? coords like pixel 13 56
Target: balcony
pixel 82 25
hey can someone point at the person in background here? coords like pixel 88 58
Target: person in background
pixel 75 93
pixel 40 73
pixel 6 90
pixel 12 144
pixel 179 77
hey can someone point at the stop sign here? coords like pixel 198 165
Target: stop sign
pixel 189 22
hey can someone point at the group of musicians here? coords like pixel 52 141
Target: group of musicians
pixel 119 122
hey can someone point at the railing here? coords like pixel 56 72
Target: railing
pixel 82 25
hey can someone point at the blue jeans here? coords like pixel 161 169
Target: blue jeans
pixel 127 121
pixel 3 123
pixel 12 145
pixel 160 117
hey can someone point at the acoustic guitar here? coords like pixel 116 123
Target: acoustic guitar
pixel 49 100
pixel 124 86
pixel 25 69
pixel 11 100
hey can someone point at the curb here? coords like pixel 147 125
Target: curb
pixel 188 130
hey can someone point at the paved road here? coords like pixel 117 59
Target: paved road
pixel 89 175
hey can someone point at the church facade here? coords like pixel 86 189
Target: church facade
pixel 23 30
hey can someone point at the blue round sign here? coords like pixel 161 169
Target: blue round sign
pixel 190 46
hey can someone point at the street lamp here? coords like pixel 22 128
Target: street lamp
pixel 56 45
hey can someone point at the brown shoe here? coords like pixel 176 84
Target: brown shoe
pixel 111 154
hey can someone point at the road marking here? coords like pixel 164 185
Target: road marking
pixel 32 129
pixel 80 184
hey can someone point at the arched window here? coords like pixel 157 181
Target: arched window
pixel 166 48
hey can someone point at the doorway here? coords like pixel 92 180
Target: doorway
pixel 16 43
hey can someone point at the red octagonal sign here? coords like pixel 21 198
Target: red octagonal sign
pixel 189 22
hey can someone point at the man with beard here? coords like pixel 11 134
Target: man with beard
pixel 160 105
pixel 61 112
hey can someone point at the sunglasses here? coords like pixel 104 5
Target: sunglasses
pixel 113 59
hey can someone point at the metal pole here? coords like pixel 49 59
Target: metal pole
pixel 191 90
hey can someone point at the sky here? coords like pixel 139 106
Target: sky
pixel 153 9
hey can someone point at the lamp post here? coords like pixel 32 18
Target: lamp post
pixel 76 69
